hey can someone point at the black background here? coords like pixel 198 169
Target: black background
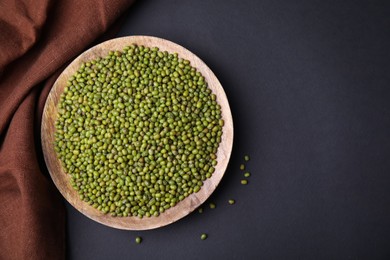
pixel 308 84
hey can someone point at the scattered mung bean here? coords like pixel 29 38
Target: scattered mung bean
pixel 244 182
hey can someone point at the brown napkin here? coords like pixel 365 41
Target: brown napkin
pixel 37 38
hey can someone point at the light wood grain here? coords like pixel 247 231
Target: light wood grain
pixel 62 179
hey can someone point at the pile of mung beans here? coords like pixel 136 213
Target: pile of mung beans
pixel 138 131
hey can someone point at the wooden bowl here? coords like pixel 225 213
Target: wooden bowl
pixel 62 179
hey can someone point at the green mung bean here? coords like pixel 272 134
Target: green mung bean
pixel 138 131
pixel 244 182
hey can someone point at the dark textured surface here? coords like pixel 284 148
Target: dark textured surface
pixel 308 83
